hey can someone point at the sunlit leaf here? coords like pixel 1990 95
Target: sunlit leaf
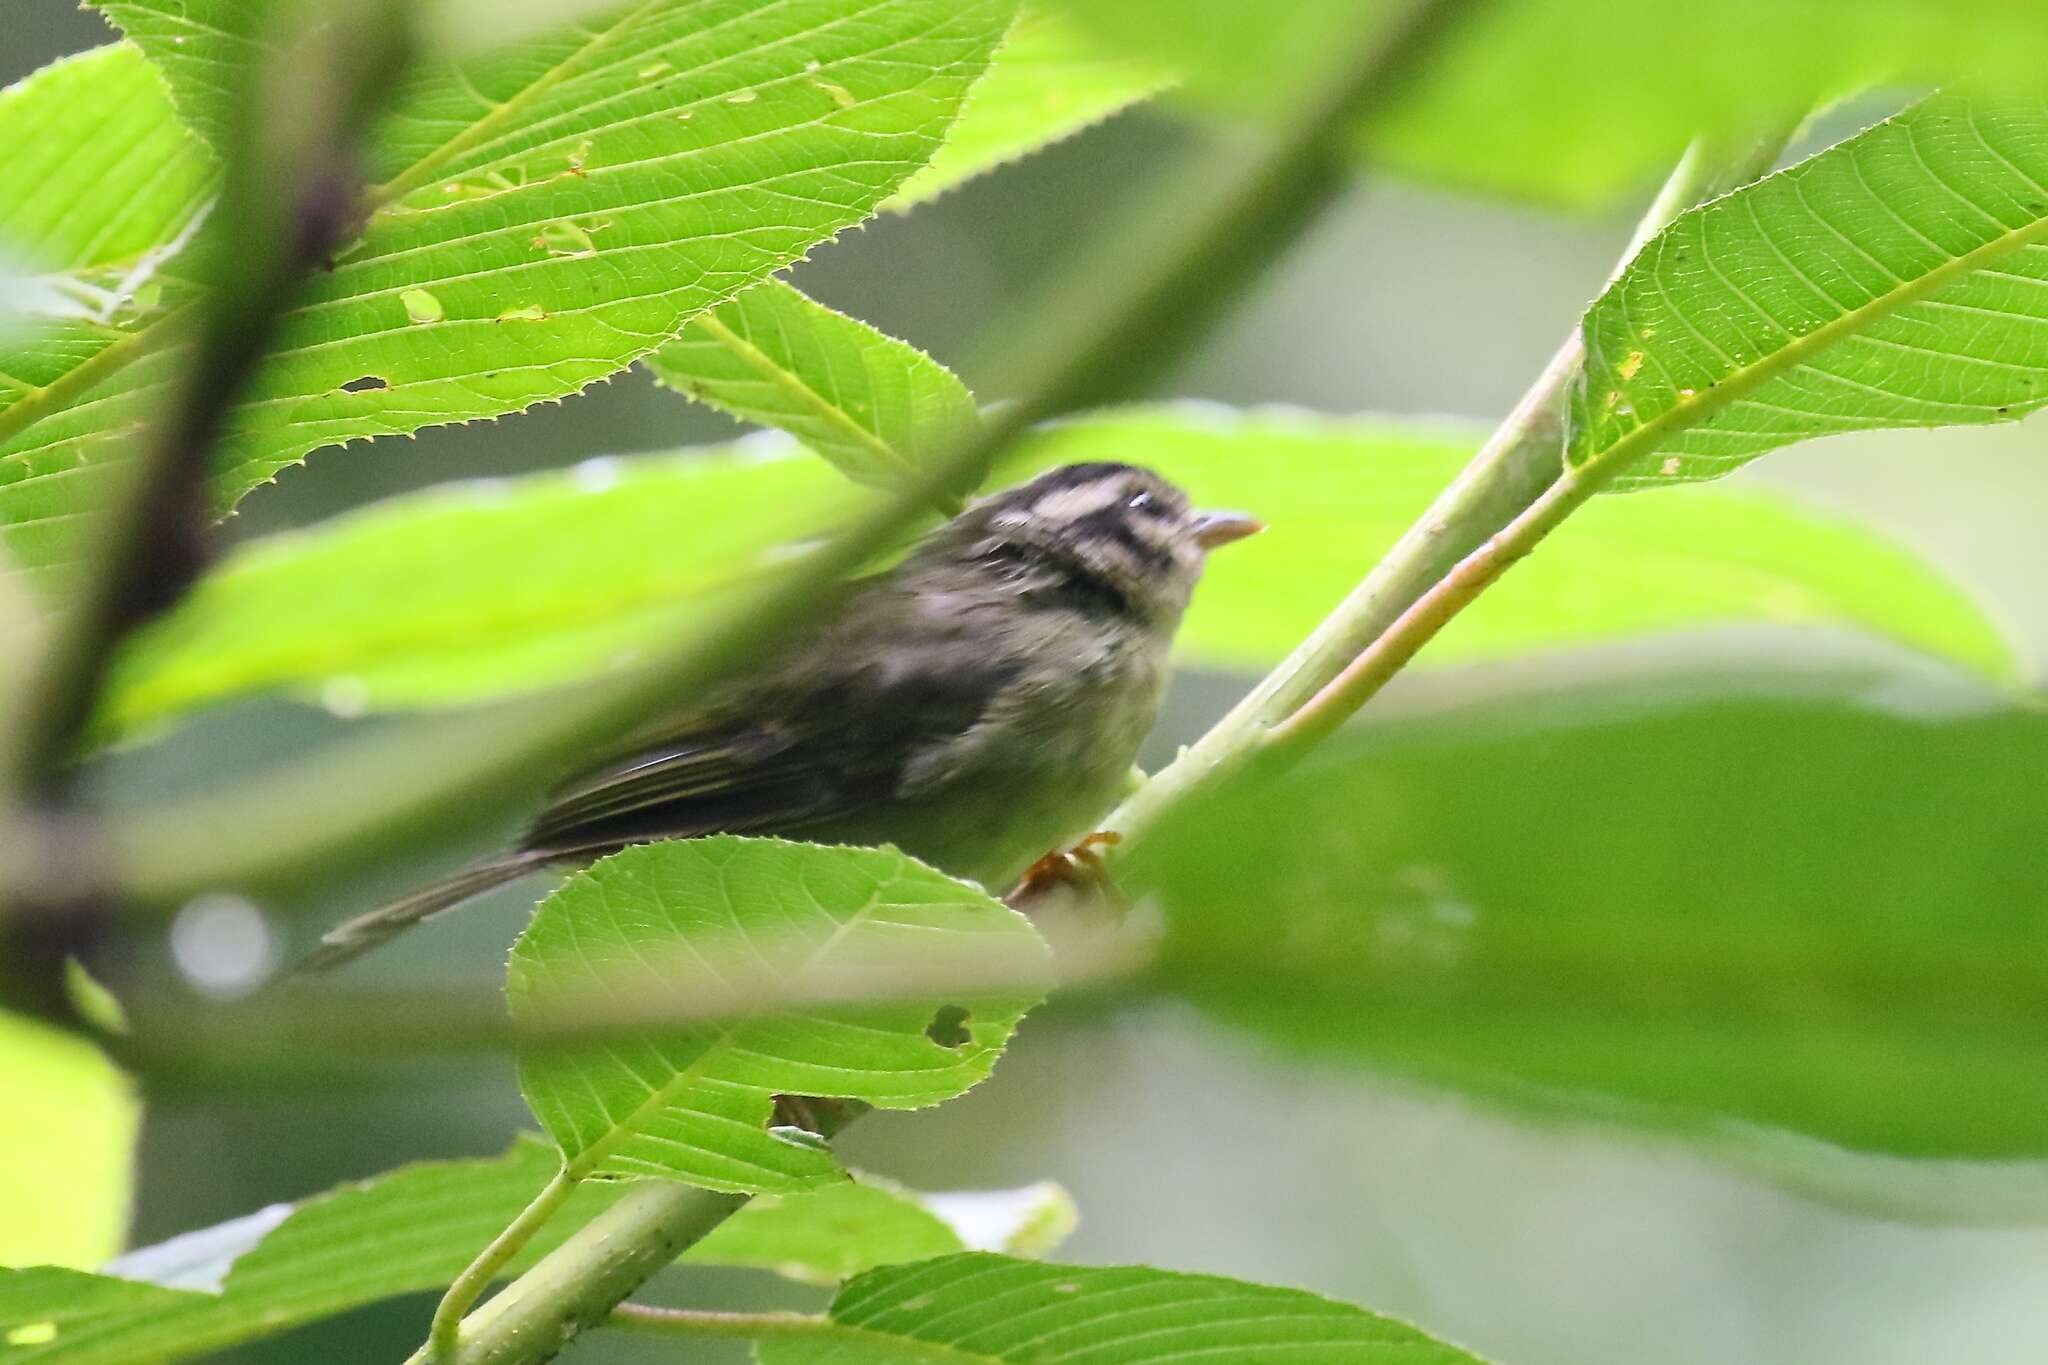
pixel 98 186
pixel 1689 906
pixel 476 591
pixel 746 920
pixel 462 591
pixel 996 1311
pixel 542 214
pixel 1897 280
pixel 1049 81
pixel 414 1229
pixel 67 1146
pixel 1580 102
pixel 879 409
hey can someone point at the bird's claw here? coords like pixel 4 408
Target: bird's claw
pixel 1080 869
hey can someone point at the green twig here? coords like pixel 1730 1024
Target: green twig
pixel 472 1282
pixel 580 1282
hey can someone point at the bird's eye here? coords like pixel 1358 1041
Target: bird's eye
pixel 1139 501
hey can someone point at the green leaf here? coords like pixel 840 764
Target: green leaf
pixel 543 215
pixel 474 591
pixel 1689 906
pixel 412 1230
pixel 748 922
pixel 837 1231
pixel 68 1147
pixel 1049 81
pixel 99 186
pixel 470 590
pixel 980 1308
pixel 877 408
pixel 1581 102
pixel 1897 280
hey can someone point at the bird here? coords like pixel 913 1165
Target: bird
pixel 978 705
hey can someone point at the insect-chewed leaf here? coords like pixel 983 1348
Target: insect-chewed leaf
pixel 1683 907
pixel 999 1311
pixel 1899 279
pixel 821 972
pixel 879 409
pixel 539 216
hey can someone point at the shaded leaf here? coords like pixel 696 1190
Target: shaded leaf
pixel 980 1308
pixel 1683 906
pixel 67 1146
pixel 1582 102
pixel 470 592
pixel 879 409
pixel 743 921
pixel 1896 280
pixel 1049 81
pixel 546 213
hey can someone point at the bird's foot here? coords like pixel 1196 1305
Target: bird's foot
pixel 1079 869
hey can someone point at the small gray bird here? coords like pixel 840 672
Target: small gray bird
pixel 978 705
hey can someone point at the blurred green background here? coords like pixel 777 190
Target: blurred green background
pixel 1532 1243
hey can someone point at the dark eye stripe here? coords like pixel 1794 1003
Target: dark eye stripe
pixel 1116 527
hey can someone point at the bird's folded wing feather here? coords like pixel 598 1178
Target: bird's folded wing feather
pixel 835 744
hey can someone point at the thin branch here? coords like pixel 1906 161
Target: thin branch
pixel 287 202
pixel 314 1024
pixel 579 1283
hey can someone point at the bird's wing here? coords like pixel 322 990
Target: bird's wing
pixel 835 742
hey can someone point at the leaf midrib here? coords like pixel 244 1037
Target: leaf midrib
pixel 790 383
pixel 584 1163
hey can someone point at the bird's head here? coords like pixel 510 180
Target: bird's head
pixel 1121 538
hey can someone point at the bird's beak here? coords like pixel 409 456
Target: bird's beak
pixel 1220 528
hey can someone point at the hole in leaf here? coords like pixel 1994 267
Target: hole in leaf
pixel 366 384
pixel 948 1027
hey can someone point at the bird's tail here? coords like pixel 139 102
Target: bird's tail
pixel 350 939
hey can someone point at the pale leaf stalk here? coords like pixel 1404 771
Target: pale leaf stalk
pixel 1519 467
pixel 469 1286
